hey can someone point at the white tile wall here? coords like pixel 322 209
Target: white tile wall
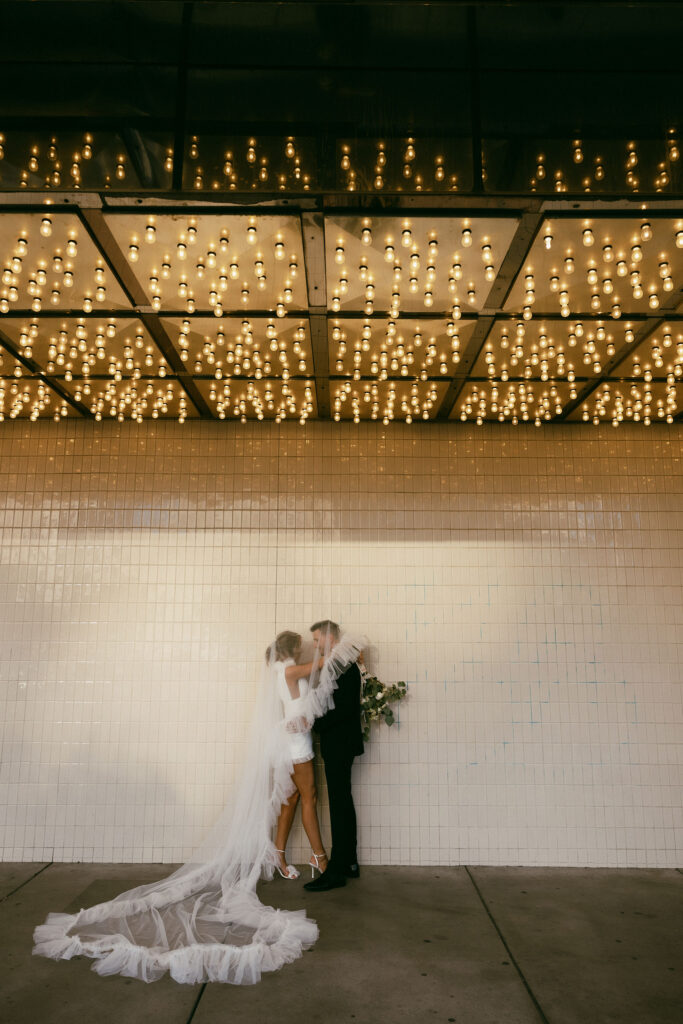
pixel 527 583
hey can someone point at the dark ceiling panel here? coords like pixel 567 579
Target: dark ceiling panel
pixel 400 36
pixel 65 32
pixel 594 37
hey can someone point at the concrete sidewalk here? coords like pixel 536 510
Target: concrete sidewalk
pixel 465 945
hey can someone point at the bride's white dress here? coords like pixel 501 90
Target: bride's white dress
pixel 295 709
pixel 205 922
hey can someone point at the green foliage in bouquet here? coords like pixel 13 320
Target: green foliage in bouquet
pixel 375 700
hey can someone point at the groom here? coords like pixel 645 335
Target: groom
pixel 341 739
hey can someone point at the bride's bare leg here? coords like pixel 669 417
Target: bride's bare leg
pixel 284 825
pixel 305 784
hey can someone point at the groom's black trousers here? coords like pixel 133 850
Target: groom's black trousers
pixel 341 739
pixel 342 811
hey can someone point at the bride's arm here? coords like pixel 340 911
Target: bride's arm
pixel 293 673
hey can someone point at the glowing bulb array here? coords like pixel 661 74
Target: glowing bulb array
pixel 247 348
pixel 99 160
pixel 49 261
pixel 599 266
pixel 252 263
pixel 265 400
pixel 512 403
pixel 448 269
pixel 588 166
pixel 385 402
pixel 404 295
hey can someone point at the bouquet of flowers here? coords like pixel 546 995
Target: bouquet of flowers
pixel 375 700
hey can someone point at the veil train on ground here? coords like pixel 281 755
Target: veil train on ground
pixel 205 922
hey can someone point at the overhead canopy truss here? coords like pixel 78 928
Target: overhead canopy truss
pixel 543 311
pixel 378 215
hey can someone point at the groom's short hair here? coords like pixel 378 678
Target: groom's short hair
pixel 328 627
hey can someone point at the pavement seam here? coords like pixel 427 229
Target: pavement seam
pixel 21 886
pixel 196 1003
pixel 539 1008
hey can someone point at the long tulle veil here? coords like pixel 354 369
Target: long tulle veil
pixel 205 922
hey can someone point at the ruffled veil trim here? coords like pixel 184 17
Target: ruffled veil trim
pixel 205 922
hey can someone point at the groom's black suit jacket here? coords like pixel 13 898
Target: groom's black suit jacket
pixel 341 734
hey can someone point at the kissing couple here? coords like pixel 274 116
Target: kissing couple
pixel 205 921
pixel 341 740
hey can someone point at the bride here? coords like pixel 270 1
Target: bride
pixel 292 682
pixel 205 921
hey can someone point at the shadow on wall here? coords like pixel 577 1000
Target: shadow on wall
pixel 336 481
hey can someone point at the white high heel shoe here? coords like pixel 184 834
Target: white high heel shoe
pixel 317 857
pixel 292 872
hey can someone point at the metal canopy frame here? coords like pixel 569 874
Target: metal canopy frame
pixel 312 210
pixel 314 207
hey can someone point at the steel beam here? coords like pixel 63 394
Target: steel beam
pixel 313 237
pixel 348 204
pixel 321 363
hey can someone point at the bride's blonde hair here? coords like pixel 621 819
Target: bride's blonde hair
pixel 283 646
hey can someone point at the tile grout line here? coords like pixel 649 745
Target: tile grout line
pixel 22 884
pixel 196 1003
pixel 509 952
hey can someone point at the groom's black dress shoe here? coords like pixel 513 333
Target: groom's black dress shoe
pixel 352 871
pixel 330 879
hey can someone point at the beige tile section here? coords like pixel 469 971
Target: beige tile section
pixel 526 584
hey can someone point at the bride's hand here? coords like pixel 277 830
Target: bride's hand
pixel 300 724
